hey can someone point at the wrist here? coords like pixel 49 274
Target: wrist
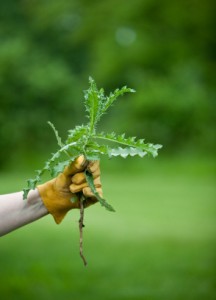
pixel 35 202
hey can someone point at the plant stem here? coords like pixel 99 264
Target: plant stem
pixel 112 140
pixel 81 225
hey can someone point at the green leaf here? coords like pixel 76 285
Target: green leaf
pixel 113 96
pixel 93 104
pixel 90 181
pixel 31 185
pixel 53 165
pixel 91 155
pixel 59 141
pixel 78 134
pixel 129 142
pixel 59 167
pixel 25 193
pixel 83 140
pixel 33 182
pixel 125 152
pixel 93 148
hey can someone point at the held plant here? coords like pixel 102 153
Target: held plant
pixel 86 140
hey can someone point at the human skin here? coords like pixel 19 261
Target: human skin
pixel 15 213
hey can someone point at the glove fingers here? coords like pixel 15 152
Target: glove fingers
pixel 96 173
pixel 78 165
pixel 77 188
pixel 93 166
pixel 87 192
pixel 79 178
pixel 74 188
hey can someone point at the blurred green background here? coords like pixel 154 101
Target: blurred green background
pixel 160 244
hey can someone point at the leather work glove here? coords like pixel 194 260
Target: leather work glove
pixel 57 193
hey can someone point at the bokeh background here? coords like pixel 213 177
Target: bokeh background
pixel 160 244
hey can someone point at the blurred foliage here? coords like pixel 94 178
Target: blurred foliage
pixel 165 50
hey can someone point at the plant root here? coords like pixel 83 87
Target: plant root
pixel 81 225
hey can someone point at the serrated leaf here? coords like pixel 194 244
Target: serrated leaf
pixel 154 149
pixel 113 96
pixel 39 172
pixel 93 148
pixel 93 104
pixel 77 134
pixel 59 141
pixel 125 152
pixel 94 152
pixel 82 139
pixel 130 142
pixel 31 183
pixel 90 181
pixel 25 193
pixel 92 156
pixel 58 168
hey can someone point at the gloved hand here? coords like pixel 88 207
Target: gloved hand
pixel 57 193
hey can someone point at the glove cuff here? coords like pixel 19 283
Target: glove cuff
pixel 55 205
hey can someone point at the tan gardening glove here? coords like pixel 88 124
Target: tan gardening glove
pixel 57 193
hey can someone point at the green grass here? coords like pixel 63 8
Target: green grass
pixel 160 243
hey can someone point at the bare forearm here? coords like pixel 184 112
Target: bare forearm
pixel 15 212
